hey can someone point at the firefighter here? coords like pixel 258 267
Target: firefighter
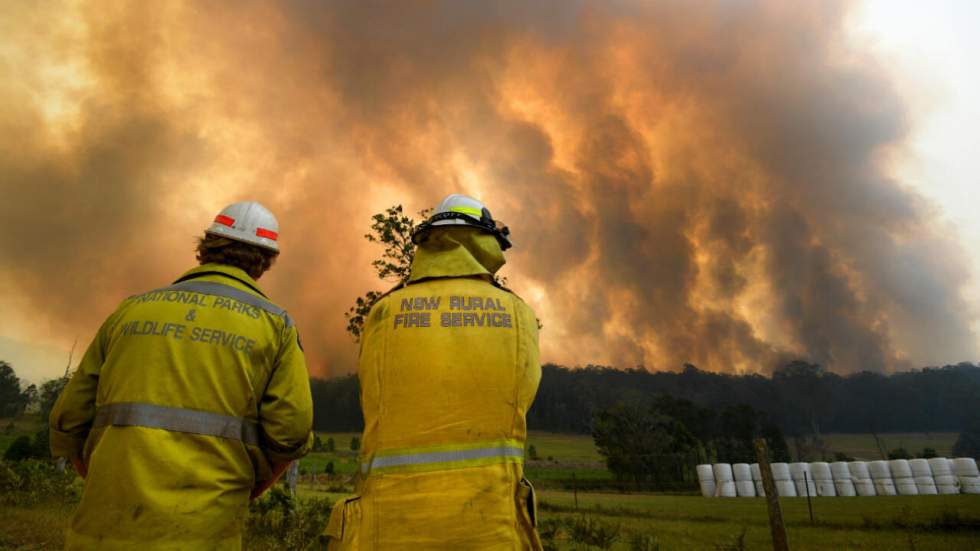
pixel 191 399
pixel 448 369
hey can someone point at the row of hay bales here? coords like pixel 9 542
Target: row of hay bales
pixel 935 476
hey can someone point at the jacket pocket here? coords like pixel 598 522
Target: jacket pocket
pixel 343 522
pixel 528 500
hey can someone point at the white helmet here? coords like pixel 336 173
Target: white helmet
pixel 248 222
pixel 461 210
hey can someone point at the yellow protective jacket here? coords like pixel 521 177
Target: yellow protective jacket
pixel 448 369
pixel 179 405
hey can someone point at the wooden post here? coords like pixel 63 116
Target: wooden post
pixel 806 482
pixel 575 490
pixel 779 542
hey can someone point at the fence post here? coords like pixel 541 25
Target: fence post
pixel 575 490
pixel 779 542
pixel 809 506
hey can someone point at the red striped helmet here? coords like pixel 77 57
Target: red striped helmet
pixel 248 222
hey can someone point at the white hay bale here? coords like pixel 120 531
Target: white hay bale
pixel 742 472
pixel 965 469
pixel 965 466
pixel 942 473
pixel 926 485
pixel 861 477
pixel 865 487
pixel 882 478
pixel 823 479
pixel 780 472
pixel 920 467
pixel 706 479
pixel 820 470
pixel 745 488
pixel 902 475
pixel 843 483
pixel 900 469
pixel 724 480
pixel 802 477
pixel 760 488
pixel 940 466
pixel 786 488
pixel 859 469
pixel 840 471
pixel 970 484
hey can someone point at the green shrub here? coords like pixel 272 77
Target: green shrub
pixel 29 481
pixel 279 521
pixel 25 447
pixel 19 450
pixel 593 531
pixel 899 453
pixel 532 453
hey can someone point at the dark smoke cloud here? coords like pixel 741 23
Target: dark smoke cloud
pixel 686 184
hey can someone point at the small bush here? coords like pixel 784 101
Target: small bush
pixel 279 521
pixel 26 447
pixel 355 444
pixel 593 531
pixel 331 445
pixel 532 453
pixel 19 450
pixel 899 453
pixel 329 468
pixel 29 481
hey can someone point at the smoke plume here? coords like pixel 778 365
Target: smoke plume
pixel 703 183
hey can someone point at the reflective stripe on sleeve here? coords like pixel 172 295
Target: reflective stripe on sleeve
pixel 135 414
pixel 219 289
pixel 447 458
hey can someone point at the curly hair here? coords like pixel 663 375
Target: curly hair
pixel 254 260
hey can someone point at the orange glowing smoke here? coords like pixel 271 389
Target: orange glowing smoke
pixel 685 183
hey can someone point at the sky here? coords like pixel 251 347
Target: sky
pixel 734 185
pixel 933 50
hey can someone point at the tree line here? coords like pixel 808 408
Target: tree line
pixel 799 398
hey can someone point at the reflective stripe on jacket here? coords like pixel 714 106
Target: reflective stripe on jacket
pixel 448 369
pixel 178 406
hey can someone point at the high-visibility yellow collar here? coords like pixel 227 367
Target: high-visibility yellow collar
pixel 457 251
pixel 222 269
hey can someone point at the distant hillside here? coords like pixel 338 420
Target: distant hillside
pixel 800 397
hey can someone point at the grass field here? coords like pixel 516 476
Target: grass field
pixel 687 522
pixel 947 523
